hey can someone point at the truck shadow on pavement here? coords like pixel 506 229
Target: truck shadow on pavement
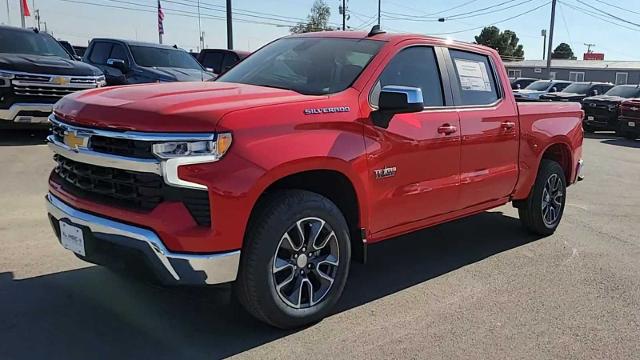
pixel 23 137
pixel 95 313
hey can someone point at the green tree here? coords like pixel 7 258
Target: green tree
pixel 317 20
pixel 506 42
pixel 563 51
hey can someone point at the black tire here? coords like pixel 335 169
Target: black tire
pixel 628 135
pixel 275 216
pixel 532 210
pixel 588 129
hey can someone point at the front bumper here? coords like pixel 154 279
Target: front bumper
pixel 27 113
pixel 109 242
pixel 625 125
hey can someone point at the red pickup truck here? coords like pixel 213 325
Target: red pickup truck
pixel 282 171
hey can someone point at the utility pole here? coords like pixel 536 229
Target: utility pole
pixel 229 27
pixel 551 26
pixel 543 32
pixel 8 15
pixel 379 1
pixel 45 26
pixel 589 46
pixel 200 28
pixel 343 11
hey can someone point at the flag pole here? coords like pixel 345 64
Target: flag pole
pixel 22 14
pixel 160 22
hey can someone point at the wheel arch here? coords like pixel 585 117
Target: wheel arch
pixel 559 152
pixel 335 185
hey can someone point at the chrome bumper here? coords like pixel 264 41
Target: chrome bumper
pixel 11 114
pixel 177 267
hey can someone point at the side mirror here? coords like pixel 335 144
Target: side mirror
pixel 553 89
pixel 118 64
pixel 518 86
pixel 77 58
pixel 396 100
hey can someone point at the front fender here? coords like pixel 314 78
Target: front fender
pixel 257 159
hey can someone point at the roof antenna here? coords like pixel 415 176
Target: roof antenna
pixel 375 30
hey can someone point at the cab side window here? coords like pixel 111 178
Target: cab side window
pixel 119 52
pixel 561 86
pixel 415 67
pixel 100 53
pixel 475 78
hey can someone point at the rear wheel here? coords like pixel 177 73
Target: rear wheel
pixel 295 260
pixel 542 211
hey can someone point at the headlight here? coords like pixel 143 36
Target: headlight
pixel 101 81
pixel 6 75
pixel 176 149
pixel 5 78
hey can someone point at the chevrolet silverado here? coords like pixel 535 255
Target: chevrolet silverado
pixel 280 173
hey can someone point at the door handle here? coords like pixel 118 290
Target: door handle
pixel 447 129
pixel 508 125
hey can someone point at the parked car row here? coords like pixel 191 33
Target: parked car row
pixel 606 106
pixel 37 70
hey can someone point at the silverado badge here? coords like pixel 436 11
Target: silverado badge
pixel 327 110
pixel 385 173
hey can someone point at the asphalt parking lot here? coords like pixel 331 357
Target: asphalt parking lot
pixel 480 287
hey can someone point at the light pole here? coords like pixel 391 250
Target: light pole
pixel 551 26
pixel 543 33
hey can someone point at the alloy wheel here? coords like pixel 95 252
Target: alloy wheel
pixel 552 198
pixel 306 263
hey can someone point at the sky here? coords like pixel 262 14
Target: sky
pixel 78 21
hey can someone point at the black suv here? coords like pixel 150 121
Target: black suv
pixel 131 62
pixel 578 91
pixel 35 72
pixel 601 112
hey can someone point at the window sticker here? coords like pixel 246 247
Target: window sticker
pixel 473 75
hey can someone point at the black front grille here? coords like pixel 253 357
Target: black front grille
pixel 122 147
pixel 127 189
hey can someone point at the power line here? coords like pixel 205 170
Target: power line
pixel 496 22
pixel 596 15
pixel 618 7
pixel 472 13
pixel 431 14
pixel 608 14
pixel 176 12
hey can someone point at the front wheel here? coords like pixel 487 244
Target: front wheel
pixel 542 211
pixel 295 260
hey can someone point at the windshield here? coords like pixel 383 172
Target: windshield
pixel 149 56
pixel 624 91
pixel 31 43
pixel 312 66
pixel 577 88
pixel 541 85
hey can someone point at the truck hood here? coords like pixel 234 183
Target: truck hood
pixel 178 74
pixel 564 96
pixel 169 107
pixel 527 92
pixel 604 99
pixel 50 65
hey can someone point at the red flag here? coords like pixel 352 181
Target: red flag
pixel 25 8
pixel 160 19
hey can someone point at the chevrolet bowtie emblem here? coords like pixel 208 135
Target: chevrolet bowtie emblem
pixel 74 141
pixel 60 80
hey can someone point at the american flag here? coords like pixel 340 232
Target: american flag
pixel 160 19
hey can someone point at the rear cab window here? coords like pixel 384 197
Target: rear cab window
pixel 474 78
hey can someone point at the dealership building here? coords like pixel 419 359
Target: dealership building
pixel 616 72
